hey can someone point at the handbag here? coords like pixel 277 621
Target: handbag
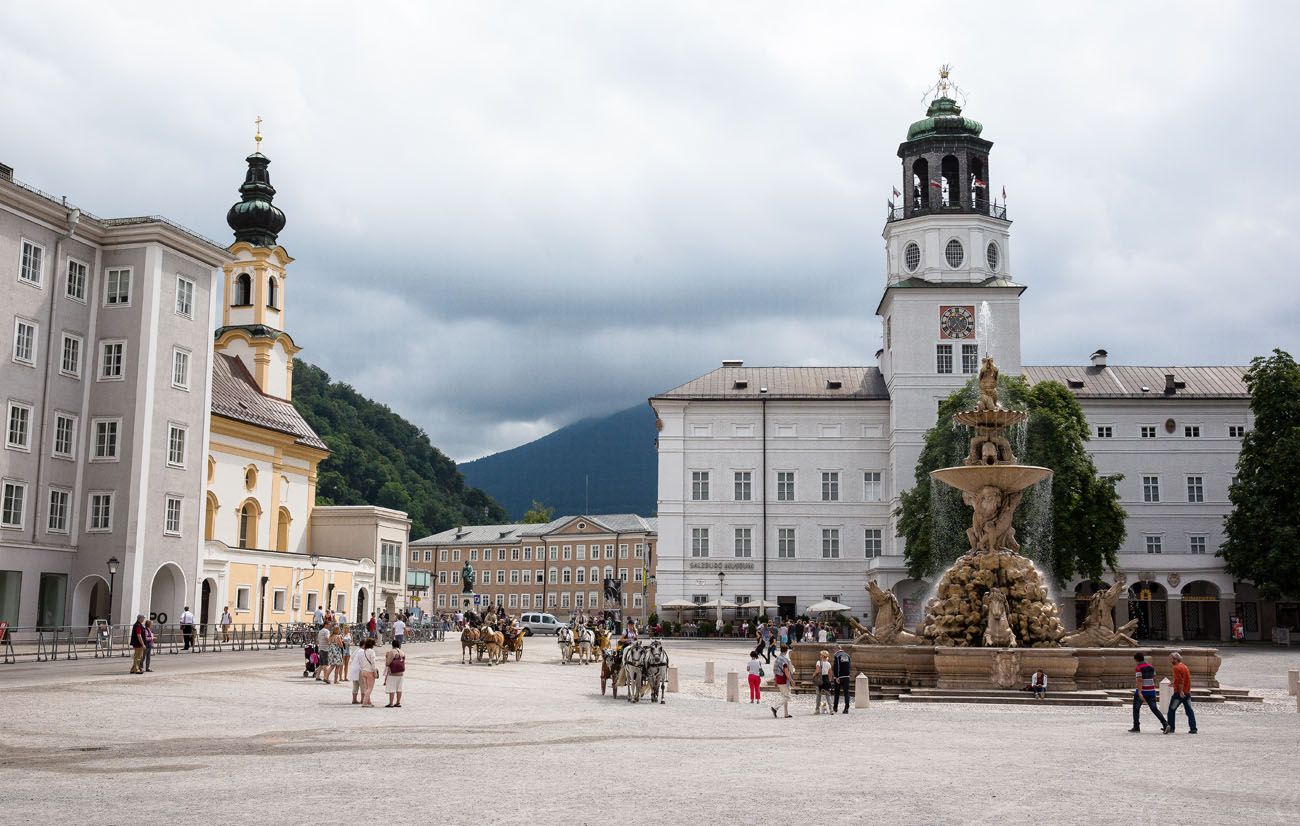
pixel 397 666
pixel 761 672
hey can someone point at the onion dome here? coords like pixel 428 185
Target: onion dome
pixel 944 118
pixel 255 219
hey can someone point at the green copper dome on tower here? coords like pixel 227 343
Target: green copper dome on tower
pixel 255 219
pixel 944 118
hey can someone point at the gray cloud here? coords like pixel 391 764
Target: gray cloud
pixel 509 217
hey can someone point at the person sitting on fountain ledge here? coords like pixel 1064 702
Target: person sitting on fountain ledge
pixel 1038 684
pixel 1144 690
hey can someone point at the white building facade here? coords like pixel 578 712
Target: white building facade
pixel 780 483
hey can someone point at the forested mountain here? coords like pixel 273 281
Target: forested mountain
pixel 379 458
pixel 609 463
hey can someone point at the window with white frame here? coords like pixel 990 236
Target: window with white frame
pixel 243 598
pixel 501 554
pixel 1148 431
pixel 13 503
pixel 428 556
pixel 551 576
pixel 970 359
pixel 699 541
pixel 1154 544
pixel 785 486
pixel 744 485
pixel 105 447
pixel 442 555
pixel 785 543
pixel 554 554
pixel 622 574
pixel 830 486
pixel 455 555
pixel 581 551
pixel 526 577
pixel 311 601
pixel 117 288
pixel 112 355
pixel 744 542
pixel 700 485
pixel 172 518
pixel 873 543
pixel 1192 431
pixel 442 600
pixel 566 576
pixel 564 600
pixel 18 430
pixel 442 577
pixel 278 600
pixel 568 551
pixel 70 360
pixel 32 263
pixel 57 515
pixel 637 551
pixel 872 489
pixel 1150 488
pixel 181 369
pixel 390 561
pixel 539 575
pixel 830 543
pixel 415 555
pixel 455 577
pixel 514 554
pixel 1105 431
pixel 513 600
pixel 637 602
pixel 1195 488
pixel 638 574
pixel 943 358
pixel 99 516
pixel 582 576
pixel 176 445
pixel 76 282
pixel 1236 431
pixel 184 297
pixel 1196 543
pixel 551 598
pixel 528 554
pixel 473 554
pixel 25 341
pixel 65 436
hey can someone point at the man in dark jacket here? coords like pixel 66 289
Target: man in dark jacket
pixel 137 645
pixel 840 668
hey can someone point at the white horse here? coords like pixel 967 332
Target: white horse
pixel 564 639
pixel 585 642
pixel 656 671
pixel 634 669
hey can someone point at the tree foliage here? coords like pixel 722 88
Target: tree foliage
pixel 1086 527
pixel 1262 534
pixel 379 458
pixel 538 514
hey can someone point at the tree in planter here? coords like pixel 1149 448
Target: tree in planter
pixel 1086 527
pixel 1262 533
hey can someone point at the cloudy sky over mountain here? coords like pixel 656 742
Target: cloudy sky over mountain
pixel 510 216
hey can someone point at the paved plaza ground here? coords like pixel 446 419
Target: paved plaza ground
pixel 243 738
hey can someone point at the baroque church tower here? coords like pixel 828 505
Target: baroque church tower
pixel 252 326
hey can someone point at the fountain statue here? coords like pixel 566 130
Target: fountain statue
pixel 992 595
pixel 1099 629
pixel 888 629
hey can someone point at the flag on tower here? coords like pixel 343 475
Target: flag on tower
pixel 936 183
pixel 897 194
pixel 981 184
pixel 1004 192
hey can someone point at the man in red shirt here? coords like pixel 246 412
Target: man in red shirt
pixel 1182 677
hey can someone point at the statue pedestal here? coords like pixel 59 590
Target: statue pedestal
pixel 470 602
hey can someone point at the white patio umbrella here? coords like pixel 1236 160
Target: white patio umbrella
pixel 759 605
pixel 719 603
pixel 827 606
pixel 678 604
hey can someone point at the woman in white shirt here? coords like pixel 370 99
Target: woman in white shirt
pixel 353 659
pixel 755 669
pixel 369 671
pixel 822 679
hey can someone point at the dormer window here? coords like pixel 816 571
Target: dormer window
pixel 243 291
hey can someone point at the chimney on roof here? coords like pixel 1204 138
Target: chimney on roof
pixel 1099 358
pixel 733 363
pixel 1171 387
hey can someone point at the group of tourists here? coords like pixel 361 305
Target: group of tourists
pixel 142 643
pixel 768 636
pixel 1145 691
pixel 831 679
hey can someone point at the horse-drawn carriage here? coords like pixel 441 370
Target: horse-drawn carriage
pixel 496 645
pixel 639 667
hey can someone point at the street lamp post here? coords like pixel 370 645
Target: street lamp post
pixel 315 560
pixel 721 578
pixel 112 579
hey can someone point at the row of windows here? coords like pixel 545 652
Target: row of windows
pixel 1190 431
pixel 742 543
pixel 117 280
pixel 279 600
pixel 106 435
pixel 243 292
pixel 58 510
pixel 1196 543
pixel 525 553
pixel 554 576
pixel 1195 488
pixel 786 430
pixel 563 599
pixel 743 486
pixel 110 363
pixel 953 252
pixel 970 359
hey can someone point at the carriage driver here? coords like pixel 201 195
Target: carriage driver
pixel 629 633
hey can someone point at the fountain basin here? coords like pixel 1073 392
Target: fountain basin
pixel 991 418
pixel 1007 478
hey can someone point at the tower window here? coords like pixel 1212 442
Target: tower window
pixel 950 168
pixel 943 358
pixel 243 291
pixel 954 253
pixel 921 184
pixel 992 254
pixel 273 293
pixel 911 256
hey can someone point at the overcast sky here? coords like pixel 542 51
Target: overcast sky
pixel 507 217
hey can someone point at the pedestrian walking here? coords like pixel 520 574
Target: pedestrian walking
pixel 755 669
pixel 148 644
pixel 784 675
pixel 841 670
pixel 137 645
pixel 347 646
pixel 187 628
pixel 1182 694
pixel 226 622
pixel 355 659
pixel 369 670
pixel 399 631
pixel 771 643
pixel 1144 690
pixel 371 625
pixel 822 680
pixel 322 650
pixel 334 654
pixel 318 617
pixel 394 671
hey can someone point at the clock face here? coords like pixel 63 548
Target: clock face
pixel 957 322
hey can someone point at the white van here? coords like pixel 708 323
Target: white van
pixel 539 624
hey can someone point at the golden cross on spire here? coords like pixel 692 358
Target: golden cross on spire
pixel 257 139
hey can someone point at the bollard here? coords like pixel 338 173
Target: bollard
pixel 672 678
pixel 1166 694
pixel 708 671
pixel 862 691
pixel 733 686
pixel 1293 682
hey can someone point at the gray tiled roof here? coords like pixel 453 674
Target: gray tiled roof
pixel 857 383
pixel 487 534
pixel 235 395
pixel 1123 382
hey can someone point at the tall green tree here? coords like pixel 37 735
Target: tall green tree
pixel 1262 534
pixel 1086 524
pixel 538 514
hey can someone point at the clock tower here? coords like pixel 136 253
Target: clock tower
pixel 949 296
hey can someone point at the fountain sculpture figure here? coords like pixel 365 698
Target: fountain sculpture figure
pixel 992 595
pixel 889 628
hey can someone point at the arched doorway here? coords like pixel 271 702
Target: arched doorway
pixel 1200 611
pixel 167 595
pixel 207 610
pixel 362 609
pixel 89 602
pixel 911 595
pixel 1083 598
pixel 1148 604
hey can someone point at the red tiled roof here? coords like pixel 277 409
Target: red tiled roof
pixel 235 395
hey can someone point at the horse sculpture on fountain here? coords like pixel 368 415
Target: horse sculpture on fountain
pixel 1099 629
pixel 889 629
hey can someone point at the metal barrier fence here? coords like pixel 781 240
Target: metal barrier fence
pixel 49 644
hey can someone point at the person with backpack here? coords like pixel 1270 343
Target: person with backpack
pixel 756 673
pixel 784 672
pixel 394 669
